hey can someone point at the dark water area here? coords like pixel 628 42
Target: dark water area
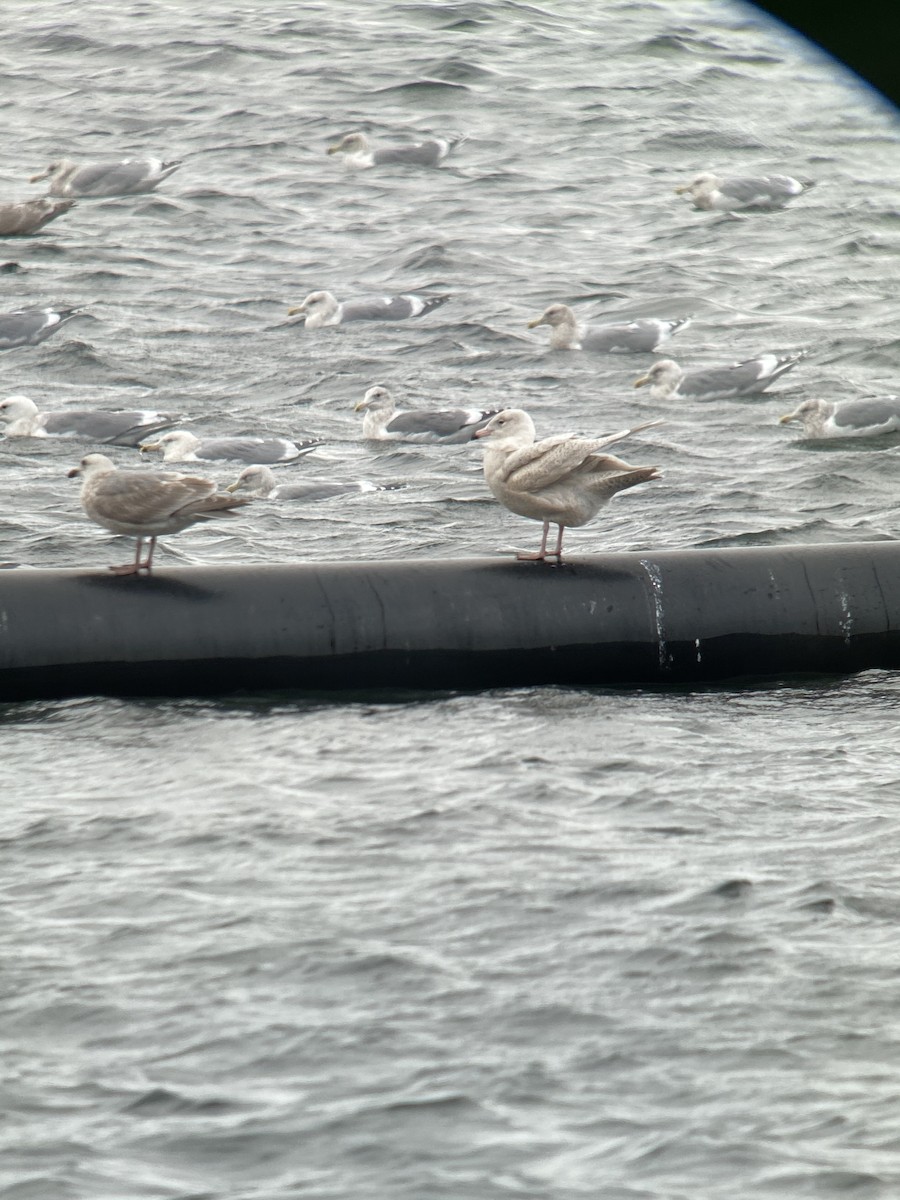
pixel 523 943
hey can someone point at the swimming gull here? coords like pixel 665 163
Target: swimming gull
pixel 146 504
pixel 126 177
pixel 852 418
pixel 29 326
pixel 668 381
pixel 321 308
pixel 180 445
pixel 561 480
pixel 448 425
pixel 260 483
pixel 27 216
pixel 709 192
pixel 117 428
pixel 566 333
pixel 359 153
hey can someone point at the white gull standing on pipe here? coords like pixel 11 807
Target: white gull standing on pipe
pixel 561 480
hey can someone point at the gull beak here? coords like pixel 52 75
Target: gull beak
pixel 292 312
pixel 643 379
pixel 148 446
pixel 37 178
pixel 483 432
pixel 334 149
pixel 679 191
pixel 360 405
pixel 534 324
pixel 784 420
pixel 234 487
pixel 71 474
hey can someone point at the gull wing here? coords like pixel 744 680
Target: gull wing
pixel 548 461
pixel 138 498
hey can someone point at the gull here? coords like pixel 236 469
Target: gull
pixel 321 308
pixel 448 425
pixel 29 326
pixel 852 418
pixel 359 153
pixel 566 333
pixel 709 192
pixel 561 480
pixel 126 177
pixel 260 483
pixel 144 504
pixel 180 445
pixel 668 381
pixel 27 216
pixel 118 428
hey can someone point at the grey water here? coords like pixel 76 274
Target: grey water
pixel 537 943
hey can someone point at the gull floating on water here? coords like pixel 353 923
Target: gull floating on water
pixel 448 425
pixel 116 428
pixel 667 380
pixel 29 326
pixel 144 504
pixel 127 177
pixel 260 483
pixel 180 445
pixel 561 480
pixel 358 152
pixel 321 308
pixel 852 418
pixel 566 333
pixel 19 217
pixel 709 192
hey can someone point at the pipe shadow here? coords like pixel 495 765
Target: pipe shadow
pixel 146 585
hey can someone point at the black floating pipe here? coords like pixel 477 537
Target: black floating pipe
pixel 668 617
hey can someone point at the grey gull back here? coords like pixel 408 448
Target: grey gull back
pixel 321 308
pixel 449 426
pixel 180 445
pixel 125 177
pixel 668 381
pixel 640 336
pixel 872 417
pixel 357 152
pixel 115 428
pixel 260 483
pixel 30 326
pixel 712 194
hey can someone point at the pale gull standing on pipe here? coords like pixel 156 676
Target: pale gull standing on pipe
pixel 144 504
pixel 561 480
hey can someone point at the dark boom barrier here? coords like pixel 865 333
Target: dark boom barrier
pixel 654 618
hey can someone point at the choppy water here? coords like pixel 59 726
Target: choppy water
pixel 535 943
